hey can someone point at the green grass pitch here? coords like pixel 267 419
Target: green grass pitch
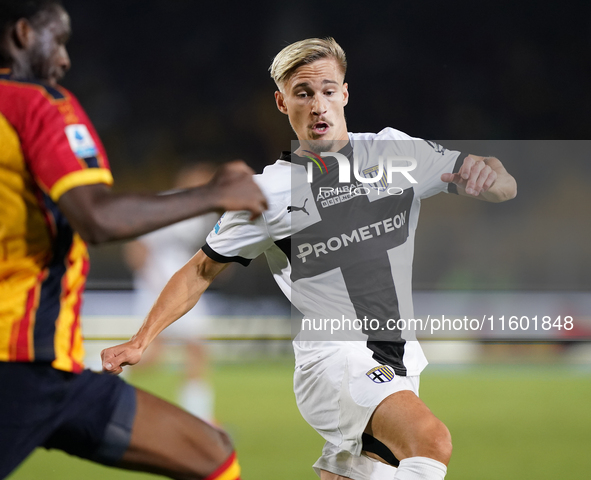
pixel 510 422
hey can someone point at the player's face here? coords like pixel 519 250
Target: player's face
pixel 48 57
pixel 314 99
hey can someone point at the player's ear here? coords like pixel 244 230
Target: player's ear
pixel 280 101
pixel 23 34
pixel 345 93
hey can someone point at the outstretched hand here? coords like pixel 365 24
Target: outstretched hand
pixel 474 177
pixel 234 189
pixel 117 357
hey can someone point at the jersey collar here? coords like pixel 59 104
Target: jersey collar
pixel 288 156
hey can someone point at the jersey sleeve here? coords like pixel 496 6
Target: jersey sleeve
pixel 61 147
pixel 235 238
pixel 433 160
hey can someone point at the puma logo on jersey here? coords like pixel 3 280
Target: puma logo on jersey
pixel 292 208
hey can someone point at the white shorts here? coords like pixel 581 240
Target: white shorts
pixel 337 392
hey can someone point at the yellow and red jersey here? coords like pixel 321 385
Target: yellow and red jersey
pixel 47 147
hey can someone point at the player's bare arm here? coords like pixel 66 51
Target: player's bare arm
pixel 100 215
pixel 484 178
pixel 180 294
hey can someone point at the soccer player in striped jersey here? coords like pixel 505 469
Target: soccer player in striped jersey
pixel 55 197
pixel 339 240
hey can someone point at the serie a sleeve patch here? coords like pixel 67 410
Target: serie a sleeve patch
pixel 81 141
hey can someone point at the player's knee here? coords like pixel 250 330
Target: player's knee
pixel 434 441
pixel 215 460
pixel 226 467
pixel 226 442
pixel 443 443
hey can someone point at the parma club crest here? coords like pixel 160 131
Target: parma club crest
pixel 372 172
pixel 381 374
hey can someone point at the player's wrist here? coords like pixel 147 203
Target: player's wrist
pixel 207 198
pixel 139 342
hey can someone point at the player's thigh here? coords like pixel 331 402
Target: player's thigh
pixel 30 408
pixel 165 439
pixel 408 428
pixel 112 423
pixel 324 475
pixel 98 414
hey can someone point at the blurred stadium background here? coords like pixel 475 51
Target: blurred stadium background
pixel 169 82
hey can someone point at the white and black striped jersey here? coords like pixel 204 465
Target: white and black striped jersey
pixel 343 250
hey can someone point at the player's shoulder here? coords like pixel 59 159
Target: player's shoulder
pixel 387 133
pixel 34 90
pixel 23 100
pixel 277 184
pixel 276 178
pixel 387 141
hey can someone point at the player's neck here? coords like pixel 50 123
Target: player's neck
pixel 18 68
pixel 322 146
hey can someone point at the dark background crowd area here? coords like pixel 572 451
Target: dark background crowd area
pixel 167 82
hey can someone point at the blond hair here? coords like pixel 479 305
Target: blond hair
pixel 288 60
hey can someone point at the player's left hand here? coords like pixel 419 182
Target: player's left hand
pixel 117 357
pixel 474 177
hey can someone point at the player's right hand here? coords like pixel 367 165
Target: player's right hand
pixel 234 189
pixel 117 357
pixel 474 177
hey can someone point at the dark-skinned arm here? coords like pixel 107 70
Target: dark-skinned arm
pixel 100 216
